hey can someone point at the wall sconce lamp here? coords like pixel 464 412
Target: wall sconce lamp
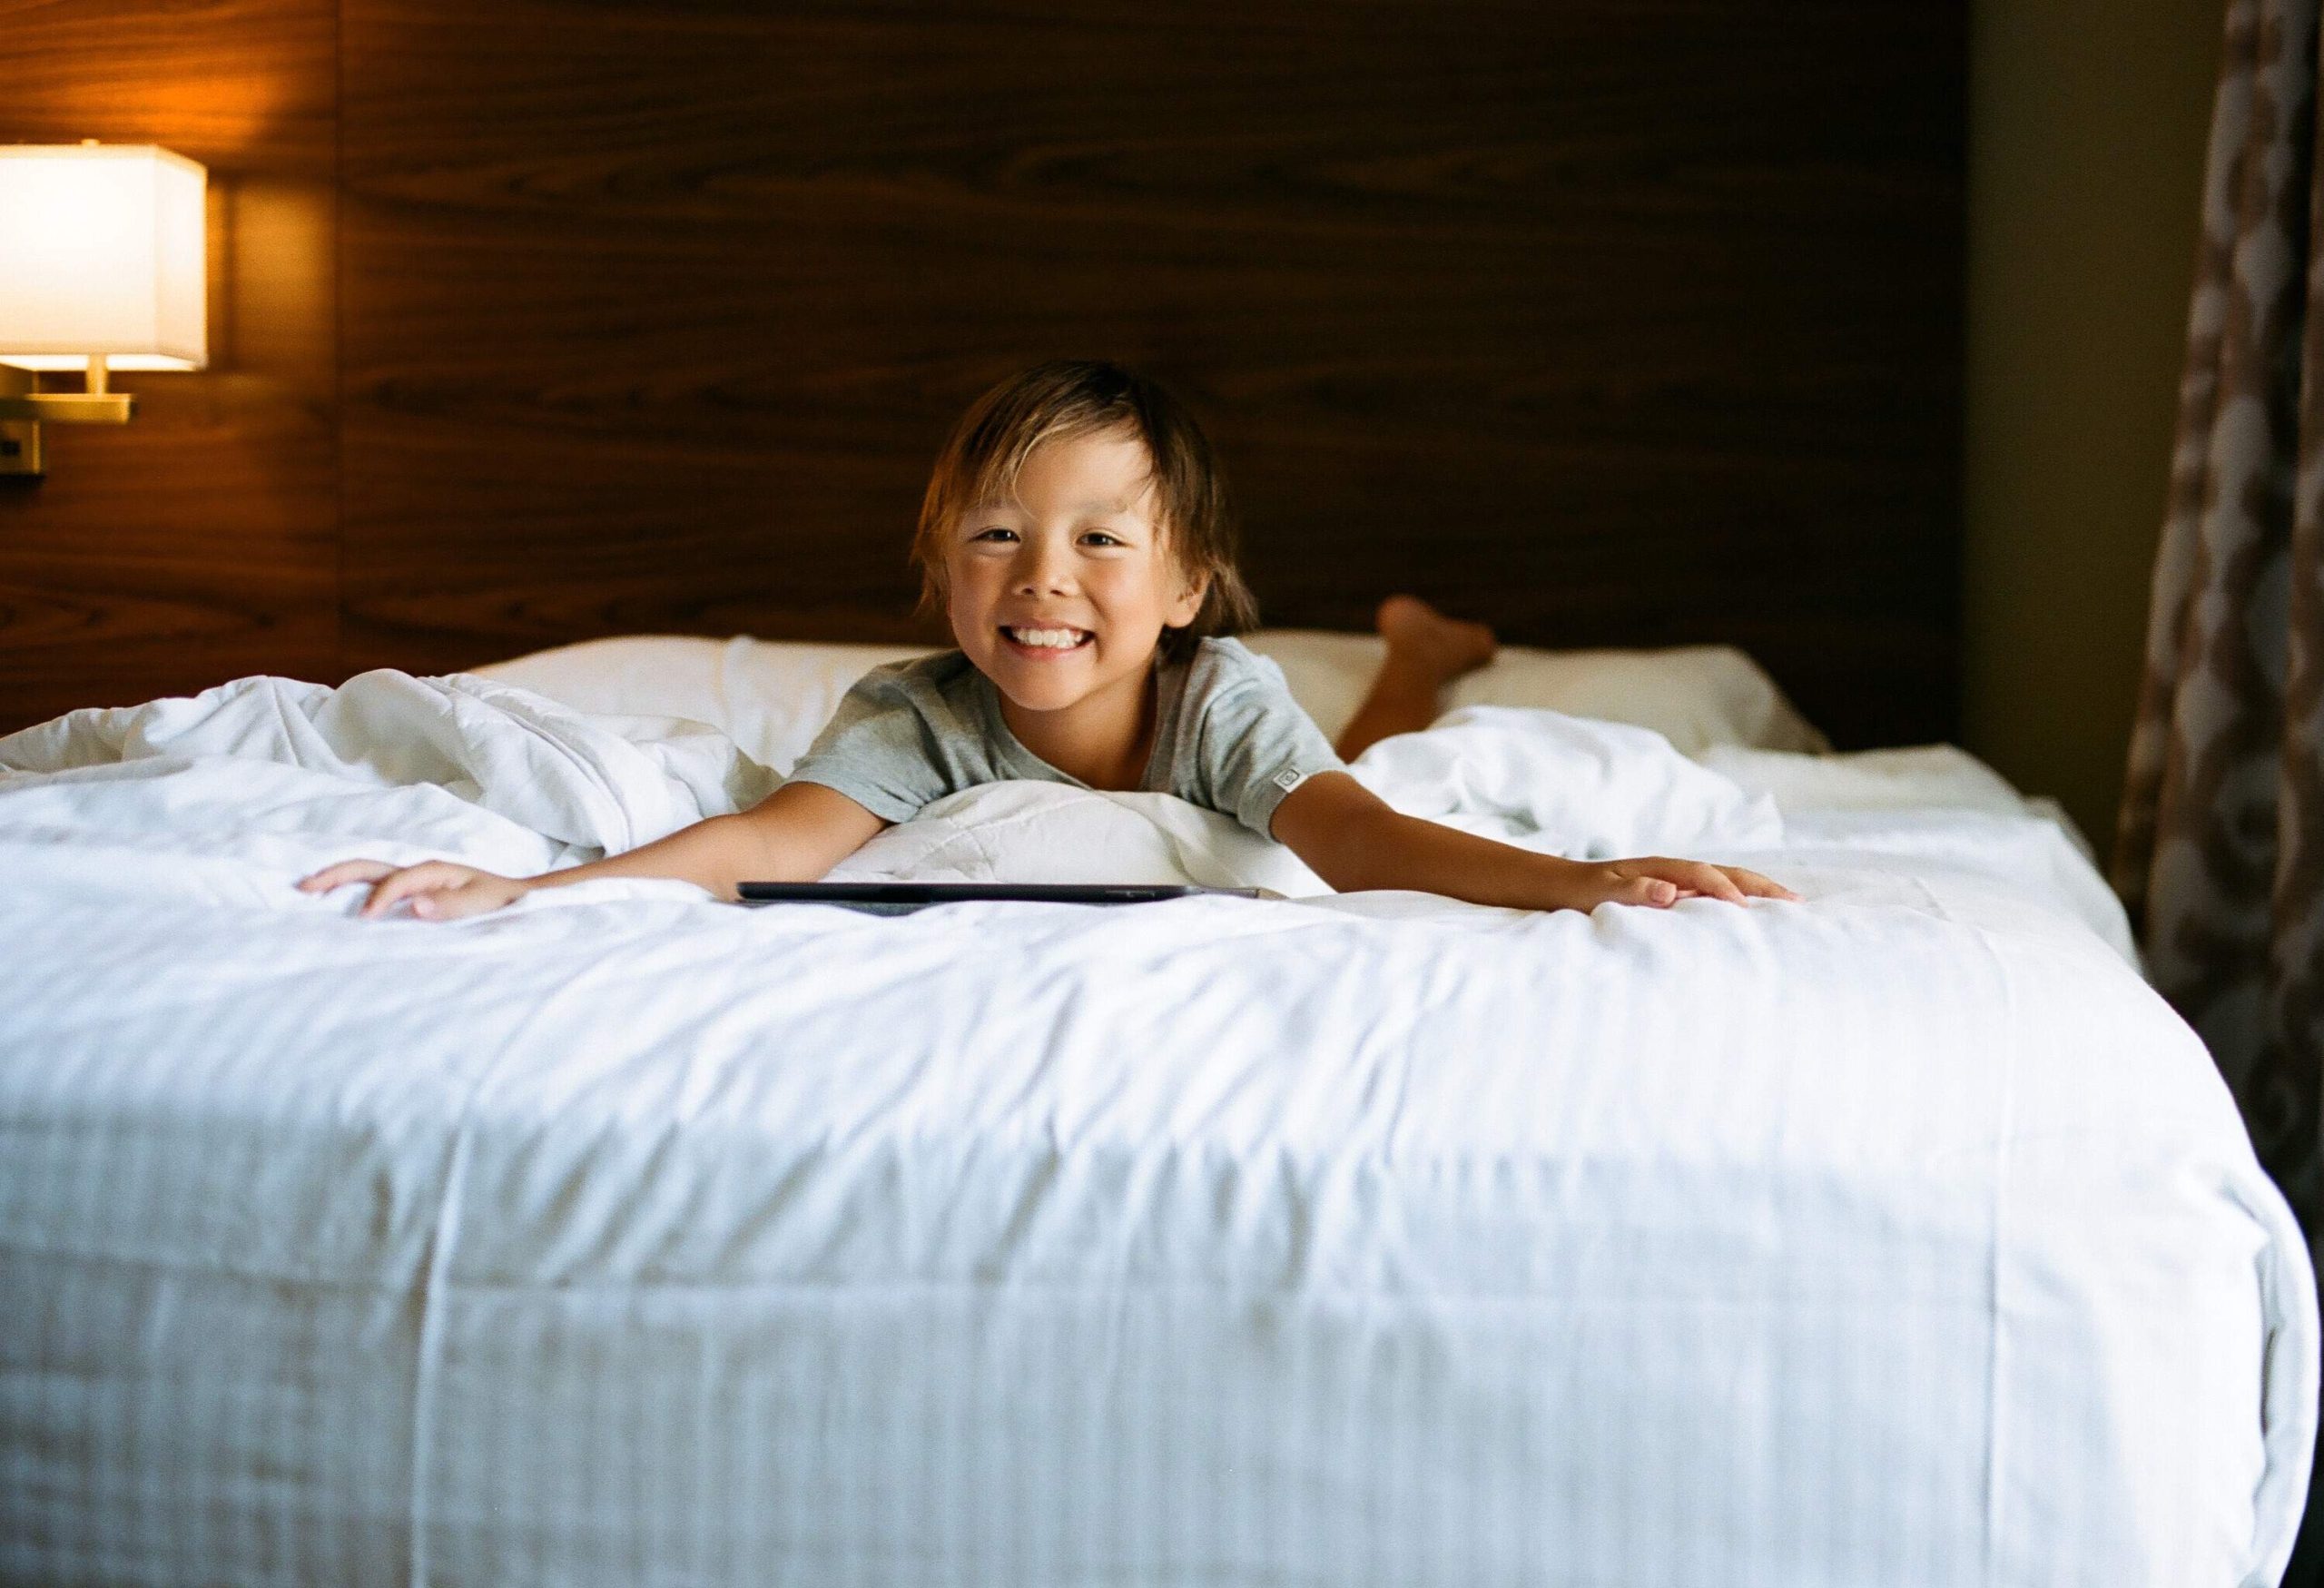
pixel 102 268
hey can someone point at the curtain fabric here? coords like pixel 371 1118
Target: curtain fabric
pixel 2221 852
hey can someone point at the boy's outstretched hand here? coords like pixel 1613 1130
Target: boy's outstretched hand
pixel 1658 880
pixel 796 833
pixel 439 890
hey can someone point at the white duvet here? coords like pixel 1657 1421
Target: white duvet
pixel 1898 1235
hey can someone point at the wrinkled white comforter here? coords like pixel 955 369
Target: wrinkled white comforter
pixel 1901 1234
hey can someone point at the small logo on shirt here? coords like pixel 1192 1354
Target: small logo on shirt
pixel 1288 779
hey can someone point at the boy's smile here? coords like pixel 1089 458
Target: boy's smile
pixel 1060 596
pixel 1043 643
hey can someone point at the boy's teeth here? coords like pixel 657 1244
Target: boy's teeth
pixel 1056 638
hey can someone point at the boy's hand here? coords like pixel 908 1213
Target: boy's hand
pixel 1658 882
pixel 439 890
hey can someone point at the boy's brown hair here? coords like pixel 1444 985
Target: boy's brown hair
pixel 1081 397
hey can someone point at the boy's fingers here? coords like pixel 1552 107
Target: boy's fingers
pixel 383 895
pixel 345 871
pixel 1649 891
pixel 411 878
pixel 1629 882
pixel 1707 878
pixel 1692 879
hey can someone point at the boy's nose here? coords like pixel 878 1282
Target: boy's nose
pixel 1039 572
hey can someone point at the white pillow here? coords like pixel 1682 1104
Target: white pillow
pixel 773 696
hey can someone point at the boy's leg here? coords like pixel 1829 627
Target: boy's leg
pixel 1426 651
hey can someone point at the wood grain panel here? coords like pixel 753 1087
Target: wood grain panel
pixel 200 542
pixel 1612 323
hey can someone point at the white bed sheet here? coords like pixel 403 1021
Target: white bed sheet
pixel 1902 1235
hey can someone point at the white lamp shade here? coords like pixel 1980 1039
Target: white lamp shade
pixel 102 251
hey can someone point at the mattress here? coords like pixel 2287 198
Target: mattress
pixel 1901 1235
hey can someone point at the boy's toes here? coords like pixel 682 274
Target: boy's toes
pixel 1445 645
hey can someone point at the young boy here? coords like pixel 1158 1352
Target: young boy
pixel 1076 533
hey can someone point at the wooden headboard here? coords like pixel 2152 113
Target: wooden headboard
pixel 1614 323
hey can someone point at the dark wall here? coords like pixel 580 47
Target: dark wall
pixel 1620 323
pixel 200 542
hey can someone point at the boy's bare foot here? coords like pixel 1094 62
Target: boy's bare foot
pixel 1425 641
pixel 1426 651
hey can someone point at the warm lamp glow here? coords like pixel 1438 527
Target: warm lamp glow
pixel 101 252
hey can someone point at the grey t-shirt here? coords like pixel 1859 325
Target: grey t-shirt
pixel 1228 737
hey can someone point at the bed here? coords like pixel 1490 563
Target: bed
pixel 1902 1235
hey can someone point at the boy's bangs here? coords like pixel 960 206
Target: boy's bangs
pixel 994 477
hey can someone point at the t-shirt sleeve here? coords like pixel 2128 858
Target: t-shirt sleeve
pixel 1256 744
pixel 878 750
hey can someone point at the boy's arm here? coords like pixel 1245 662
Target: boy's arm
pixel 796 833
pixel 1351 838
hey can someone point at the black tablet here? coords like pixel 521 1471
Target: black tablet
pixel 896 898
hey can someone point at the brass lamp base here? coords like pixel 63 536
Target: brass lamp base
pixel 22 411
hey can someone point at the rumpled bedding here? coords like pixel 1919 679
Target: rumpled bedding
pixel 1899 1234
pixel 278 772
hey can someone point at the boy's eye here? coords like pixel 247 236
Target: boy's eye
pixel 995 533
pixel 1099 537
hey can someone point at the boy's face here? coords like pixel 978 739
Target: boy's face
pixel 1063 594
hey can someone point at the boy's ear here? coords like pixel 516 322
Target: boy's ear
pixel 1188 606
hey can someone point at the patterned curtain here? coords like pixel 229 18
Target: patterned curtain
pixel 2221 848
